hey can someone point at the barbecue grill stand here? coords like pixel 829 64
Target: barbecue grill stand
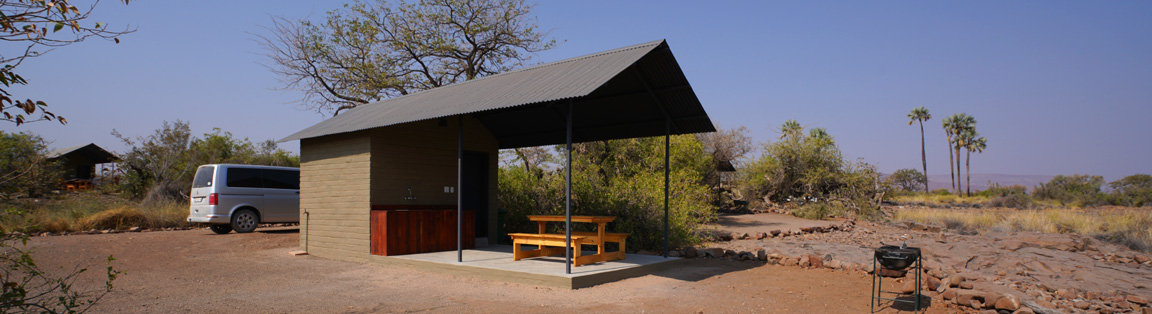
pixel 877 293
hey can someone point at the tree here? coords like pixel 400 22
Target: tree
pixel 954 126
pixel 24 168
pixel 1077 190
pixel 1134 190
pixel 949 124
pixel 34 25
pixel 725 145
pixel 972 142
pixel 370 51
pixel 907 179
pixel 920 115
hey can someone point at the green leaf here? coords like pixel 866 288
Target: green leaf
pixel 58 27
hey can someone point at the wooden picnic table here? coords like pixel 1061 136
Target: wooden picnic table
pixel 543 239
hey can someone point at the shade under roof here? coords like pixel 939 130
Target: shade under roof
pixel 622 93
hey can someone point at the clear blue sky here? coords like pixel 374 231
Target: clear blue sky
pixel 1058 87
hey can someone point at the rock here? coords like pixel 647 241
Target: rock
pixel 1008 302
pixel 932 283
pixel 988 312
pixel 761 255
pixel 134 229
pixel 965 297
pixel 747 256
pixel 1065 293
pixel 1081 304
pixel 966 285
pixel 761 235
pixel 976 304
pixel 990 299
pixel 909 287
pixel 1142 258
pixel 1024 310
pixel 741 236
pixel 713 253
pixel 948 294
pixel 833 264
pixel 806 229
pixel 815 262
pixel 673 253
pixel 1137 299
pixel 690 252
pixel 789 261
pixel 775 256
pixel 1147 310
pixel 805 260
pixel 730 253
pixel 1044 287
pixel 955 281
pixel 774 232
pixel 724 237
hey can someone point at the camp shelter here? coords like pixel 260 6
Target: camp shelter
pixel 387 178
pixel 79 162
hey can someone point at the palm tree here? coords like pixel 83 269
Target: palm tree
pixel 962 124
pixel 949 124
pixel 920 115
pixel 976 143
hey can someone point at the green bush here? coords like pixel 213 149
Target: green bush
pixel 24 169
pixel 1133 191
pixel 907 180
pixel 621 178
pixel 159 168
pixel 805 168
pixel 1076 190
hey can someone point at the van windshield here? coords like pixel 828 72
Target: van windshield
pixel 203 177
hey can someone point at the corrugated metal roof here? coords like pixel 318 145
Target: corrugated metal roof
pixel 90 151
pixel 501 101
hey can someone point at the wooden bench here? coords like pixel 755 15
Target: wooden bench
pixel 593 238
pixel 543 240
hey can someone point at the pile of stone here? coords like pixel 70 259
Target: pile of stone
pixel 1133 258
pixel 846 226
pixel 990 294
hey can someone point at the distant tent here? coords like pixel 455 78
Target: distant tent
pixel 79 162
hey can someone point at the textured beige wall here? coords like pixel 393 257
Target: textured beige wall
pixel 422 156
pixel 334 192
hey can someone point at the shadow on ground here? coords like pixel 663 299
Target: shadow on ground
pixel 698 269
pixel 906 303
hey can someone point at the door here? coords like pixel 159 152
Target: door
pixel 474 189
pixel 281 195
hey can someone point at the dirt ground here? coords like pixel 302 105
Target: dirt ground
pixel 196 271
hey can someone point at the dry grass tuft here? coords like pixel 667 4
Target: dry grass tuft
pixel 1131 227
pixel 85 211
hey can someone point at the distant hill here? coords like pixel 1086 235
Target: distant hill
pixel 981 181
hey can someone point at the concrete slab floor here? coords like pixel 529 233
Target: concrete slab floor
pixel 495 262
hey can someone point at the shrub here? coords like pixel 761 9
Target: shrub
pixel 621 178
pixel 908 179
pixel 24 169
pixel 1133 191
pixel 1075 190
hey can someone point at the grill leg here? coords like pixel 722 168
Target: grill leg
pixel 874 289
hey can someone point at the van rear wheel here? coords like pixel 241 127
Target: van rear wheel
pixel 220 229
pixel 244 221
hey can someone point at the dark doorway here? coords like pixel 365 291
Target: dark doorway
pixel 474 189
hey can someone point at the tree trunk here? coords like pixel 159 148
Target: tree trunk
pixel 959 182
pixel 950 169
pixel 968 170
pixel 923 157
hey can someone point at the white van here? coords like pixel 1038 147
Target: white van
pixel 238 197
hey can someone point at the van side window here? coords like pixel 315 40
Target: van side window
pixel 244 178
pixel 282 179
